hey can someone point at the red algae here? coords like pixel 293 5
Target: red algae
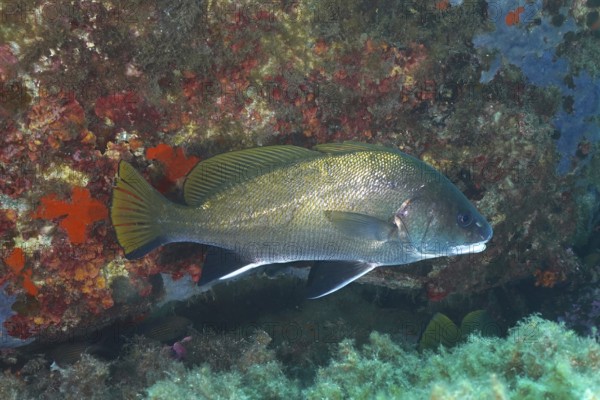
pixel 7 62
pixel 57 121
pixel 176 163
pixel 442 5
pixel 80 212
pixel 16 261
pixel 121 108
pixel 436 293
pixel 28 284
pixel 124 111
pixel 548 278
pixel 513 17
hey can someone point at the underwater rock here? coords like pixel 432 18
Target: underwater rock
pixel 6 302
pixel 481 368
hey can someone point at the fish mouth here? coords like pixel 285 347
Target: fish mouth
pixel 468 248
pixel 484 230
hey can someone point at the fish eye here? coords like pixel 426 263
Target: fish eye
pixel 464 219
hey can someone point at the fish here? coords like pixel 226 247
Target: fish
pixel 442 331
pixel 347 207
pixel 68 353
pixel 164 329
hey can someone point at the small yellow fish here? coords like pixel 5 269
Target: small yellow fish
pixel 351 207
pixel 442 331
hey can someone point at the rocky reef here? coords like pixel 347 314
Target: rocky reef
pixel 538 358
pixel 163 85
pixel 482 368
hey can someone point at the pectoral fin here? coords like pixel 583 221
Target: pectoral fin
pixel 326 277
pixel 361 226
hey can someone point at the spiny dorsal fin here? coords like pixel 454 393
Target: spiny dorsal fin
pixel 225 170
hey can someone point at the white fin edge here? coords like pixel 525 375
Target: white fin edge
pixel 242 270
pixel 347 281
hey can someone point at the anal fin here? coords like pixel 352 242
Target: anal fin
pixel 221 264
pixel 328 276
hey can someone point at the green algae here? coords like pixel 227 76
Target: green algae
pixel 538 359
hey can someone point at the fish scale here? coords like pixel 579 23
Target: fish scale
pixel 303 190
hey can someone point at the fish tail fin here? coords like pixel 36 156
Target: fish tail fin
pixel 134 213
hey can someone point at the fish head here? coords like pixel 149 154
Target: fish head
pixel 438 220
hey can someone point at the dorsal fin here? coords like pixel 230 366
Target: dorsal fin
pixel 225 170
pixel 350 146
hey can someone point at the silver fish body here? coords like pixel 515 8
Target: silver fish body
pixel 365 204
